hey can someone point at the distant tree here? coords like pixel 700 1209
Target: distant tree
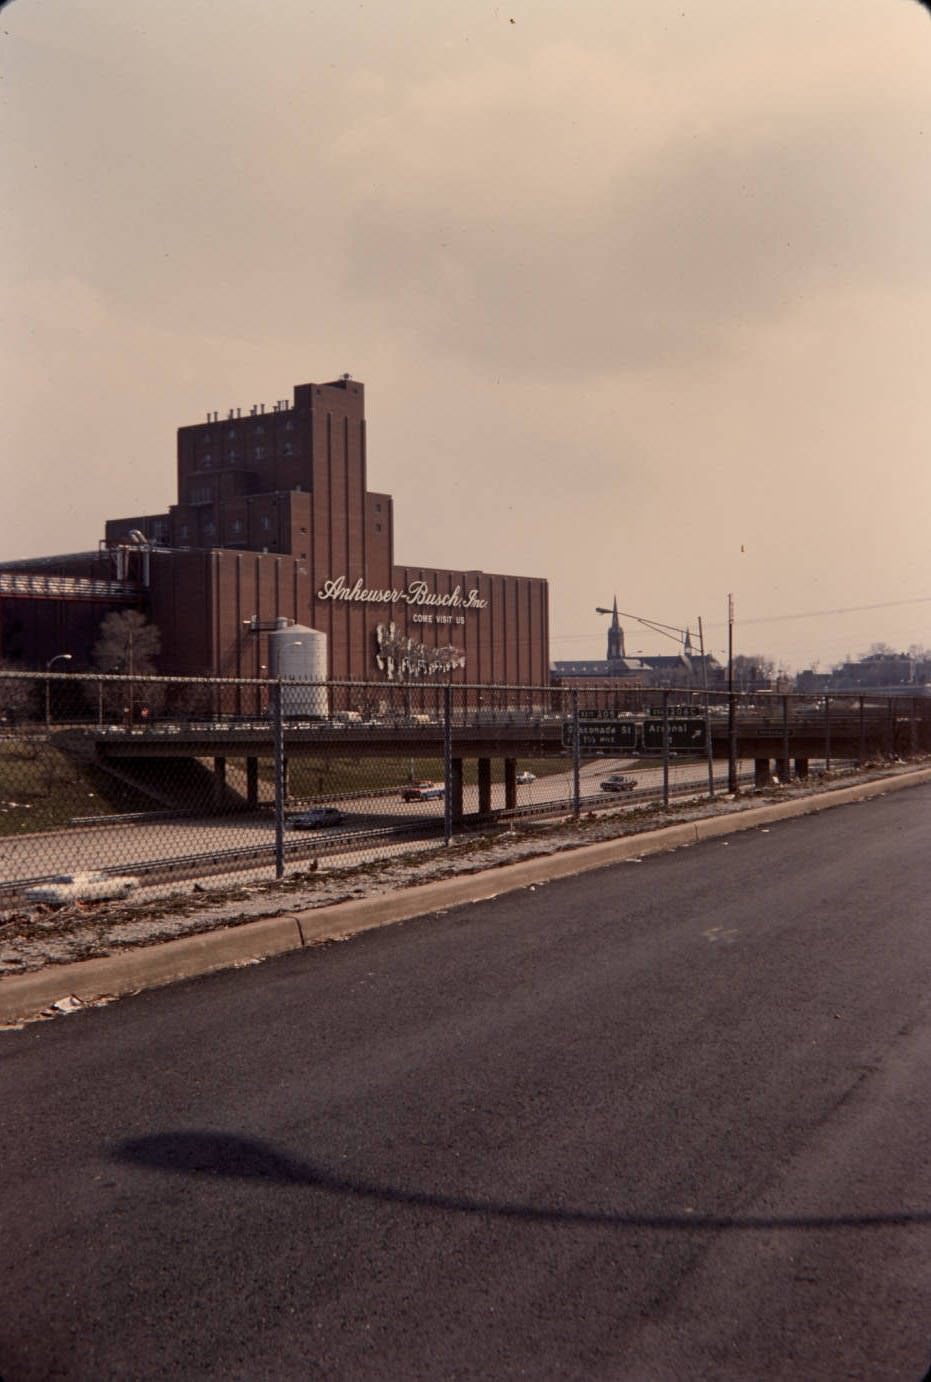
pixel 128 644
pixel 17 695
pixel 752 671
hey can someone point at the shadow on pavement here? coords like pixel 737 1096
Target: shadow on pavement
pixel 243 1158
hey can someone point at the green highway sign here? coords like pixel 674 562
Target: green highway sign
pixel 600 734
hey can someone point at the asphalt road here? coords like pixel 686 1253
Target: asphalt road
pixel 666 1120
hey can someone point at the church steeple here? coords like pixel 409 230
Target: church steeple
pixel 615 637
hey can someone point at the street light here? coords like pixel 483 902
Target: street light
pixel 676 634
pixel 59 657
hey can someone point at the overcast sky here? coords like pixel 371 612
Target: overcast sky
pixel 640 291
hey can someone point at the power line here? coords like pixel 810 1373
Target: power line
pixel 784 618
pixel 844 609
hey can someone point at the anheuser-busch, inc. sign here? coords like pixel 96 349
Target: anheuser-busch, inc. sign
pixel 416 593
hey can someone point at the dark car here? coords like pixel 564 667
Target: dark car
pixel 422 791
pixel 317 818
pixel 618 783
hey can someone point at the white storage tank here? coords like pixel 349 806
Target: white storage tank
pixel 298 655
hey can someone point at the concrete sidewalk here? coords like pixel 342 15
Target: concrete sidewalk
pixel 26 996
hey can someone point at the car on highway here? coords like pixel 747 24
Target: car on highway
pixel 316 819
pixel 618 782
pixel 422 791
pixel 526 776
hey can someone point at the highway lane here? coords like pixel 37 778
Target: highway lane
pixel 666 1120
pixel 139 842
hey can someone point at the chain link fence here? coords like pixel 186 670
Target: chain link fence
pixel 112 785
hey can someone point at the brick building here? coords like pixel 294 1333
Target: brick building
pixel 274 520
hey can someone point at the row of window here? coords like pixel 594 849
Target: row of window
pixel 237 525
pixel 234 432
pixel 259 453
pixel 209 529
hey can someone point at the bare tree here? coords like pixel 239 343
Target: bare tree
pixel 752 671
pixel 129 645
pixel 17 695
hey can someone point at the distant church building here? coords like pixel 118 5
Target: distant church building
pixel 682 669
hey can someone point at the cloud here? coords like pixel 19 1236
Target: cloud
pixel 550 218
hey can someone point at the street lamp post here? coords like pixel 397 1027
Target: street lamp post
pixel 732 781
pixel 59 657
pixel 674 632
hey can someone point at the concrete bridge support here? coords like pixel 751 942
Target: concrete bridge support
pixel 455 790
pixel 801 767
pixel 252 783
pixel 219 783
pixel 510 783
pixel 784 769
pixel 761 773
pixel 484 786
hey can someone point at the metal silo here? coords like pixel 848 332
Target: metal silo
pixel 298 656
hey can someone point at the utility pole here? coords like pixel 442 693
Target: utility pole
pixel 731 703
pixel 709 746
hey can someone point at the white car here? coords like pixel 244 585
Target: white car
pixel 89 885
pixel 526 776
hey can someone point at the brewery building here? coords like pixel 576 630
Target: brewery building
pixel 274 524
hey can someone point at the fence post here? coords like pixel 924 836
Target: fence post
pixel 862 732
pixel 913 728
pixel 732 783
pixel 827 734
pixel 576 754
pixel 447 763
pixel 665 750
pixel 709 748
pixel 786 759
pixel 278 750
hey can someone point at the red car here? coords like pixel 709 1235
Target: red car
pixel 422 791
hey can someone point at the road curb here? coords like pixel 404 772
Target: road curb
pixel 23 996
pixel 26 996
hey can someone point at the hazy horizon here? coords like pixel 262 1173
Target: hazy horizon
pixel 639 293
